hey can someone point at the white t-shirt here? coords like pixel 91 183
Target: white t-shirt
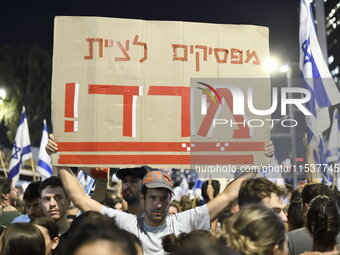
pixel 151 237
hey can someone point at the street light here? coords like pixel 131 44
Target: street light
pixel 284 69
pixel 2 95
pixel 270 64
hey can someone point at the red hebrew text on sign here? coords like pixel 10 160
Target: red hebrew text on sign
pixel 123 46
pixel 180 53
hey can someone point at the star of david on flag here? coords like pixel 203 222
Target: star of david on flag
pixel 318 80
pixel 21 150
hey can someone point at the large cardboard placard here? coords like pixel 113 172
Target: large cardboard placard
pixel 123 91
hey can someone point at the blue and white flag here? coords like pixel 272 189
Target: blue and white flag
pixel 318 81
pixel 44 166
pixel 21 150
pixel 197 189
pixel 184 186
pixel 333 148
pixel 86 181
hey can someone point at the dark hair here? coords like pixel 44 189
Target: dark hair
pixel 22 238
pixel 116 201
pixel 111 202
pixel 5 186
pixel 133 238
pixel 323 220
pixel 50 224
pixel 204 246
pixel 32 191
pixel 252 191
pixel 295 215
pixel 296 194
pixel 216 186
pixel 53 181
pixel 93 226
pixel 336 195
pixel 170 242
pixel 312 190
pixel 186 204
pixel 230 206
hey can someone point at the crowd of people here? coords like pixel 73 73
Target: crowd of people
pixel 251 216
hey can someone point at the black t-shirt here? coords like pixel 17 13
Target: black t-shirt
pixel 63 243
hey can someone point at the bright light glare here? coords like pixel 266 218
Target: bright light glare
pixel 270 64
pixel 284 69
pixel 2 94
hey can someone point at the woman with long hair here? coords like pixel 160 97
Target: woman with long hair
pixel 323 223
pixel 22 238
pixel 255 230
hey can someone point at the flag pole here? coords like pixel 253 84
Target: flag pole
pixel 334 178
pixel 194 202
pixel 33 169
pixel 3 164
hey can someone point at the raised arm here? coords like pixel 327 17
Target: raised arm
pixel 311 174
pixel 219 203
pixel 230 193
pixel 71 185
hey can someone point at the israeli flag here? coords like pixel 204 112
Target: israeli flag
pixel 44 167
pixel 197 189
pixel 184 186
pixel 318 80
pixel 86 181
pixel 21 150
pixel 317 77
pixel 333 148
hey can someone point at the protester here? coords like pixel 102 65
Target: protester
pixel 323 223
pixel 155 223
pixel 204 246
pixel 9 195
pixel 93 233
pixel 300 240
pixel 31 204
pixel 295 215
pixel 174 208
pixel 118 204
pixel 50 231
pixel 172 242
pixel 22 238
pixel 131 188
pixel 232 208
pixel 262 191
pixel 211 189
pixel 255 230
pixel 54 202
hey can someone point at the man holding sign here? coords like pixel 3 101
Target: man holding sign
pixel 128 93
pixel 154 224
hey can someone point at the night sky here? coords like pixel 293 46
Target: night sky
pixel 31 22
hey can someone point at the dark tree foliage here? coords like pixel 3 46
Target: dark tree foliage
pixel 25 73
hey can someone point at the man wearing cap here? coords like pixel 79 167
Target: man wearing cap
pixel 155 223
pixel 131 188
